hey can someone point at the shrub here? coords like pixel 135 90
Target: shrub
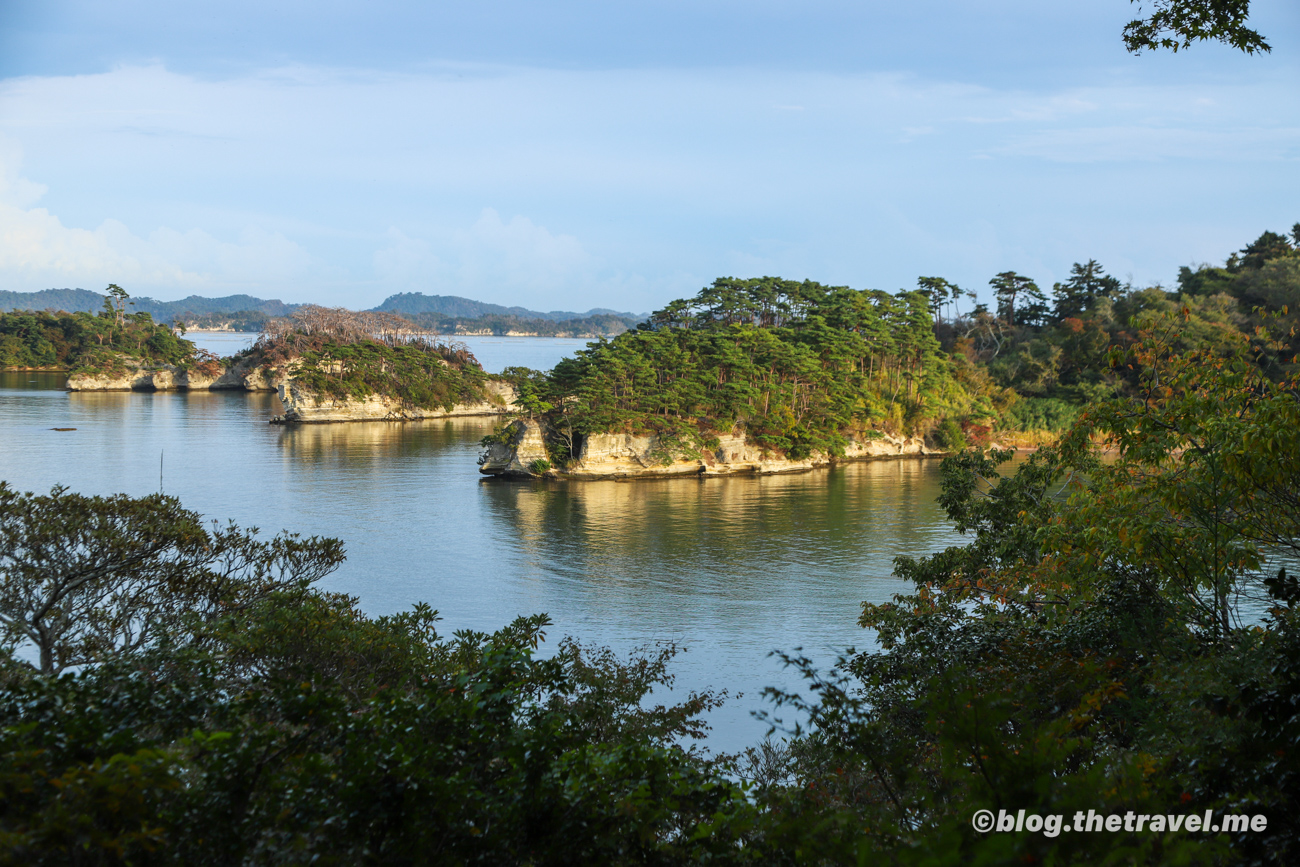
pixel 949 436
pixel 1040 413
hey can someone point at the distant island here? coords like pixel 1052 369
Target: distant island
pixel 85 301
pixel 327 364
pixel 440 314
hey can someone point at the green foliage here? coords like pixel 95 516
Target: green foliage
pixel 539 466
pixel 530 390
pixel 1020 301
pixel 502 432
pixel 1256 292
pixel 1086 650
pixel 417 375
pixel 949 436
pixel 282 725
pixel 342 354
pixel 1059 358
pixel 800 367
pixel 1088 285
pixel 1176 24
pixel 86 578
pixel 488 756
pixel 1040 414
pixel 796 366
pixel 80 340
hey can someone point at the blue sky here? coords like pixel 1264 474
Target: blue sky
pixel 579 154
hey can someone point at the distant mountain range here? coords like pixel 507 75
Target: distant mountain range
pixel 78 300
pixel 406 303
pixel 409 303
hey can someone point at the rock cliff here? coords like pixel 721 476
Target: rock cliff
pixel 623 456
pixel 243 374
pixel 516 456
pixel 304 406
pixel 300 404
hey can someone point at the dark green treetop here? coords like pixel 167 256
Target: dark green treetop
pixel 1176 24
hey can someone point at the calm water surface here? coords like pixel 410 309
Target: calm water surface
pixel 732 568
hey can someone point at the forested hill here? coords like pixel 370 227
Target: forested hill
pixel 451 313
pixel 454 306
pixel 85 301
pixel 799 366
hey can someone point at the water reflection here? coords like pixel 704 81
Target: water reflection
pixel 732 529
pixel 735 567
pixel 732 567
pixel 32 380
pixel 362 446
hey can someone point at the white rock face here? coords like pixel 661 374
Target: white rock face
pixel 304 406
pixel 300 404
pixel 243 375
pixel 623 456
pixel 132 379
pixel 516 457
pixel 251 377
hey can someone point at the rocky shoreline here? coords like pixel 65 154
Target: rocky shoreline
pixel 625 456
pixel 302 406
pixel 243 375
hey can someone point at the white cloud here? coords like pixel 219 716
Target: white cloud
pixel 37 251
pixel 519 253
pixel 15 191
pixel 514 259
pixel 381 181
pixel 407 263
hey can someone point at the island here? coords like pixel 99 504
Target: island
pixel 327 364
pixel 750 376
pixel 337 365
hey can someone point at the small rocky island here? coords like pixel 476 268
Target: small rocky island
pixel 304 405
pixel 326 364
pixel 133 374
pixel 750 376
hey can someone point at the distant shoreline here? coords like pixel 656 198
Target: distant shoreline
pixel 433 333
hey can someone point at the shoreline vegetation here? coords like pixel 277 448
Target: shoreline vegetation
pixel 339 365
pixel 326 364
pixel 488 325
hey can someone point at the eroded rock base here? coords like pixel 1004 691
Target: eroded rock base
pixel 623 456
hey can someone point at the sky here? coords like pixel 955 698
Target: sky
pixel 579 154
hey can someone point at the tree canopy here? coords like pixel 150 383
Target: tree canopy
pixel 84 341
pixel 798 366
pixel 87 578
pixel 1176 24
pixel 339 353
